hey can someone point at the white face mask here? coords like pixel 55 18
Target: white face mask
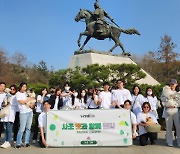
pixel 67 88
pixel 83 94
pixel 149 93
pixel 75 94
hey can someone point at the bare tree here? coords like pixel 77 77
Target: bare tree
pixel 18 58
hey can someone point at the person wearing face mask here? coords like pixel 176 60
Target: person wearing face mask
pixel 83 99
pixel 152 99
pixel 66 94
pixel 75 100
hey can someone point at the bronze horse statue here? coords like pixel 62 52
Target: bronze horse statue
pixel 110 31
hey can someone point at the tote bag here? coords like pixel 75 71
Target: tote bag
pixel 4 112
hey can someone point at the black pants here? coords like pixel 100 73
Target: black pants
pixel 40 141
pixel 1 128
pixel 16 126
pixel 36 128
pixel 143 139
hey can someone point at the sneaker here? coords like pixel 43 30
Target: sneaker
pixel 3 144
pixel 178 145
pixel 18 147
pixel 27 145
pixel 6 145
pixel 170 145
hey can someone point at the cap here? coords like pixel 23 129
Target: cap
pixel 173 81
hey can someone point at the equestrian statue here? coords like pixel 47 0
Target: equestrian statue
pixel 98 28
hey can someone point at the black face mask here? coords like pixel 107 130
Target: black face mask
pixel 52 91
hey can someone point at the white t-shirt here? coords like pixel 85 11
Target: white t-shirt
pixel 121 96
pixel 106 99
pixel 42 121
pixel 22 108
pixel 133 118
pixel 77 103
pixel 67 101
pixel 82 104
pixel 2 97
pixel 56 103
pixel 39 105
pixel 141 117
pixel 12 110
pixel 137 102
pixel 153 102
pixel 90 102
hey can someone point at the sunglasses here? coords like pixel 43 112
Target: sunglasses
pixel 12 89
pixel 146 107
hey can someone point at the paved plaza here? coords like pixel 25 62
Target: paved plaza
pixel 159 148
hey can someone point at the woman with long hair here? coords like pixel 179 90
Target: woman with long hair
pixel 25 116
pixel 92 102
pixel 83 99
pixel 56 100
pixel 39 109
pixel 9 119
pixel 152 99
pixel 137 100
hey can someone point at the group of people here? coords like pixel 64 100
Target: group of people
pixel 143 109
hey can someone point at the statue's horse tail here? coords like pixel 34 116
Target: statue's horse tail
pixel 130 31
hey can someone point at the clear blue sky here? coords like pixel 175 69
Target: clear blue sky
pixel 46 30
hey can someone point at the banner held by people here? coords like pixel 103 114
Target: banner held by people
pixel 89 128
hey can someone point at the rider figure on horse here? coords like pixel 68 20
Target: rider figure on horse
pixel 99 15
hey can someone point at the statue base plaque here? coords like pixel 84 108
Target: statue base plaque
pixel 89 57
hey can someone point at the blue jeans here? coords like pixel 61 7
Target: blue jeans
pixel 25 125
pixel 8 131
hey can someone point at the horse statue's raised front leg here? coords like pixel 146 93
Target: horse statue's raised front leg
pixel 86 33
pixel 79 39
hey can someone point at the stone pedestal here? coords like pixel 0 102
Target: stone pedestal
pixel 84 59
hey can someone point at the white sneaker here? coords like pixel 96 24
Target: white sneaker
pixel 170 145
pixel 6 145
pixel 3 144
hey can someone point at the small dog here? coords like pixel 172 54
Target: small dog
pixel 31 94
pixel 171 100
